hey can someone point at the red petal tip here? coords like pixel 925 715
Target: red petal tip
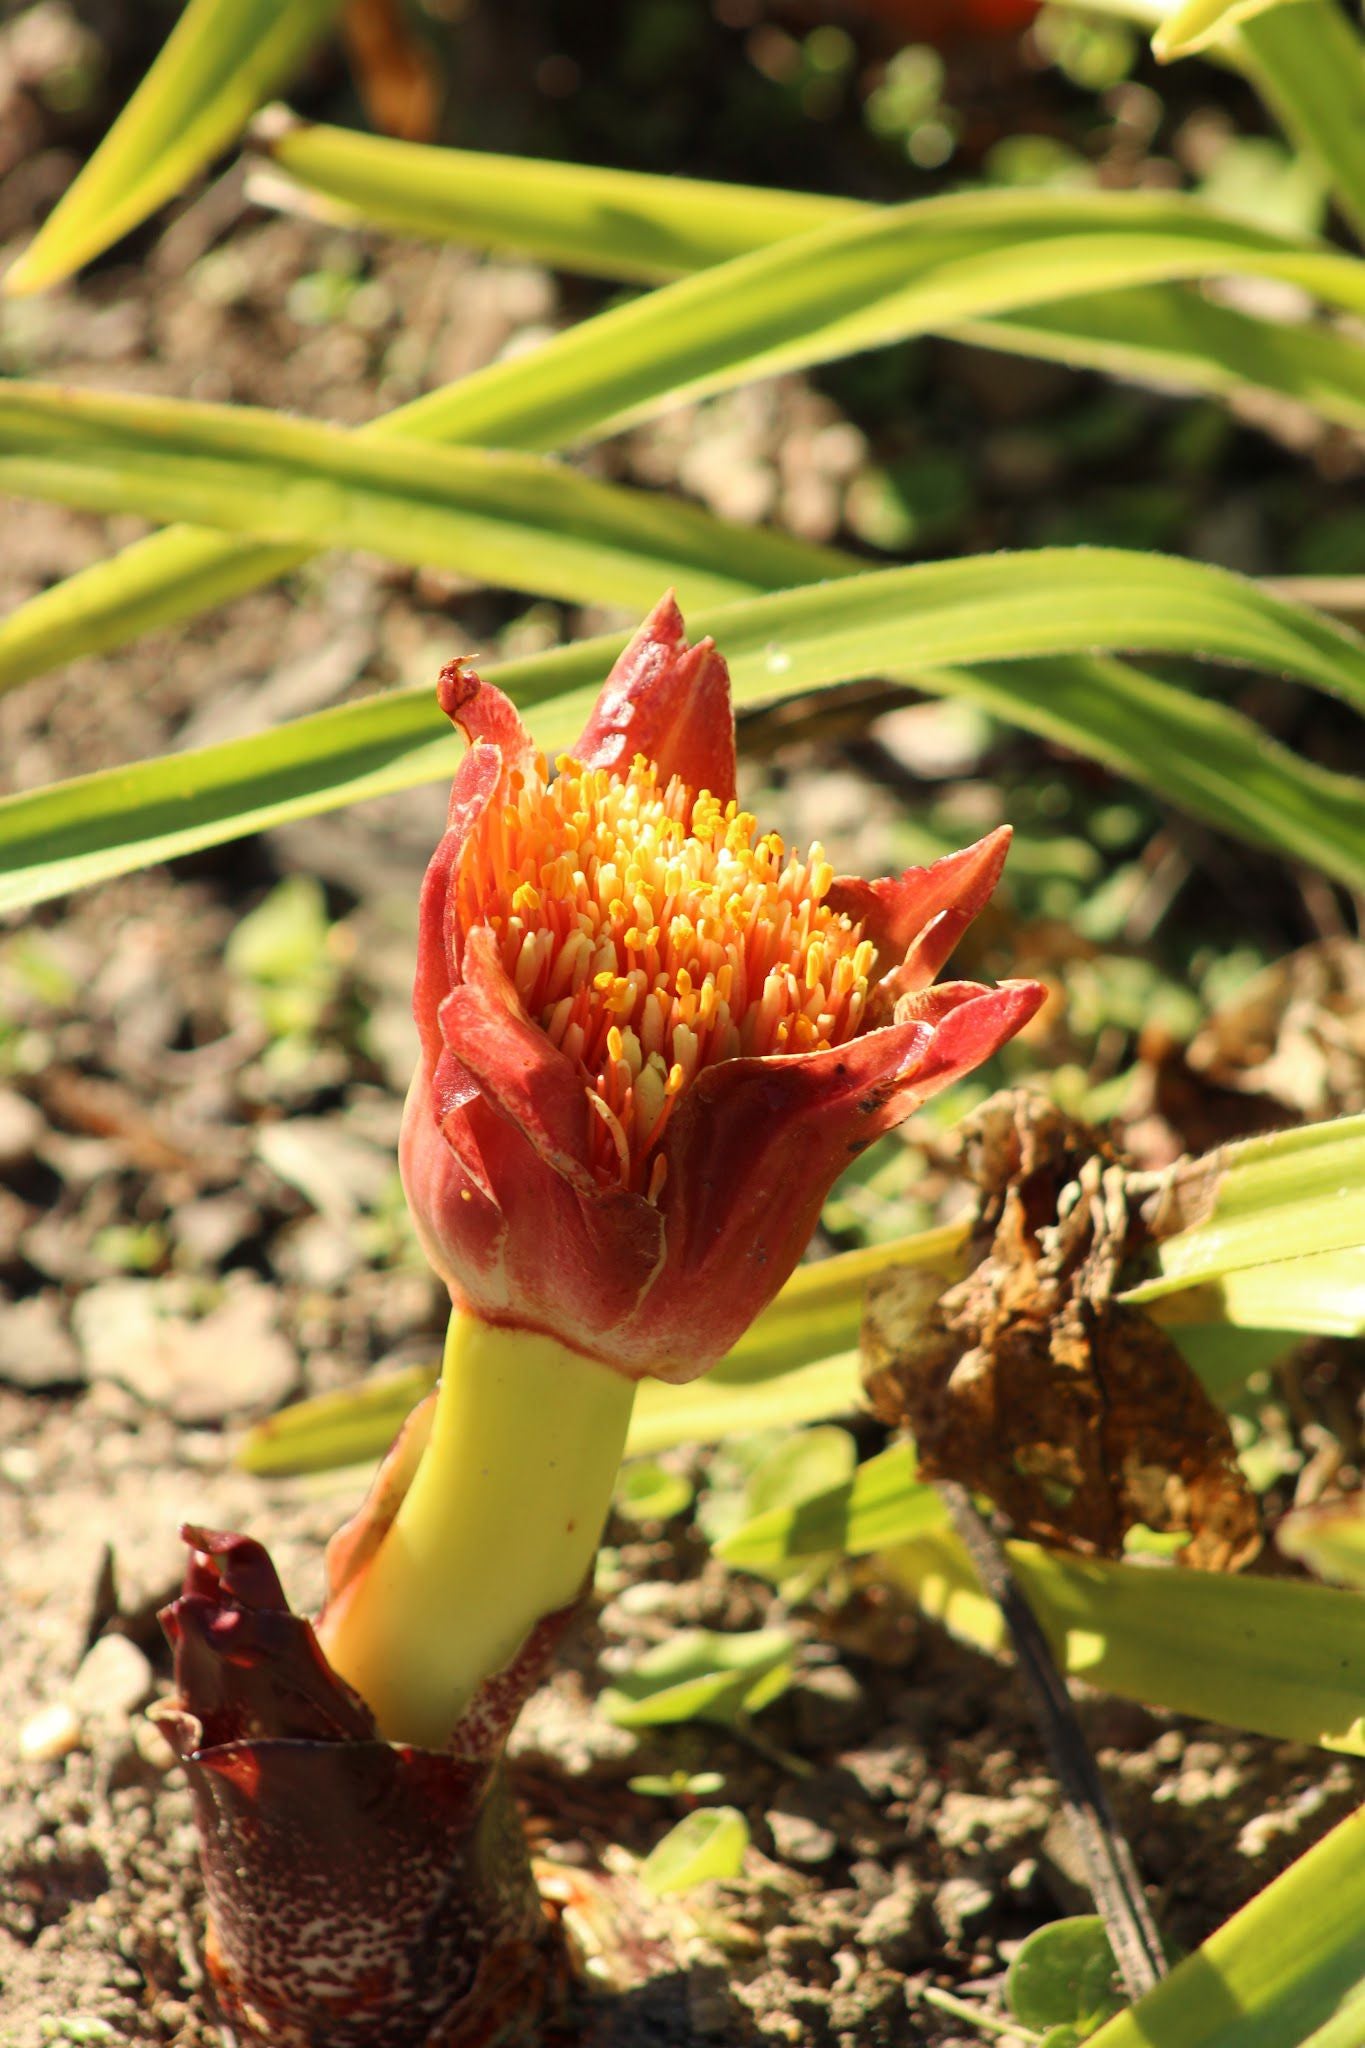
pixel 456 686
pixel 482 712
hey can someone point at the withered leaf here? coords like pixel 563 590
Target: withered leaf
pixel 1027 1382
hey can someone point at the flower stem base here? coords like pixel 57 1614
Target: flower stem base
pixel 491 1522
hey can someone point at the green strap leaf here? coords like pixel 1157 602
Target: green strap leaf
pixel 1307 60
pixel 1198 23
pixel 881 1505
pixel 1285 1972
pixel 1279 1657
pixel 860 284
pixel 521 521
pixel 897 621
pixel 1283 1242
pixel 847 286
pixel 633 227
pixel 1284 1659
pixel 1321 1294
pixel 779 1373
pixel 222 59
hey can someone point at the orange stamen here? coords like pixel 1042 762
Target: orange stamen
pixel 651 932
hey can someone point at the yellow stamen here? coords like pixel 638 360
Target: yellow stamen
pixel 651 931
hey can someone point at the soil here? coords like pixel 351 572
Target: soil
pixel 199 1221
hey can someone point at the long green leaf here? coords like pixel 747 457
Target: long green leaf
pixel 708 1410
pixel 1284 1659
pixel 859 284
pixel 1288 1967
pixel 1196 24
pixel 1321 1294
pixel 1279 1657
pixel 523 521
pixel 848 286
pixel 820 1310
pixel 628 225
pixel 780 1372
pixel 1307 61
pixel 355 1425
pixel 904 621
pixel 631 227
pixel 222 59
pixel 881 1505
pixel 1169 334
pixel 1283 1243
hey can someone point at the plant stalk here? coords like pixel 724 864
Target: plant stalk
pixel 497 1528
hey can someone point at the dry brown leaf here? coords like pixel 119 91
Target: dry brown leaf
pixel 1027 1382
pixel 1295 1033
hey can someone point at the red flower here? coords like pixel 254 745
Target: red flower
pixel 650 1039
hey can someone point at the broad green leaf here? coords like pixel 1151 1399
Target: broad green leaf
pixel 712 1408
pixel 820 1309
pixel 1346 2028
pixel 777 1374
pixel 1285 1972
pixel 348 1427
pixel 699 1675
pixel 1198 23
pixel 880 1505
pixel 806 1463
pixel 221 60
pixel 627 225
pixel 704 1845
pixel 1282 1245
pixel 633 227
pixel 1063 1974
pixel 1329 1538
pixel 1322 1295
pixel 1168 334
pixel 1307 61
pixel 1281 1658
pixel 847 286
pixel 353 1425
pixel 1276 1197
pixel 522 521
pixel 1226 1357
pixel 645 1492
pixel 991 610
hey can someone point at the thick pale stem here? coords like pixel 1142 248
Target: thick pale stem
pixel 498 1527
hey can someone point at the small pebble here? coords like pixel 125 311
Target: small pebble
pixel 51 1733
pixel 801 1841
pixel 897 1930
pixel 22 1125
pixel 36 1352
pixel 960 1904
pixel 114 1678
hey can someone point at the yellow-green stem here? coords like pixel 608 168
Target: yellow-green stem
pixel 498 1527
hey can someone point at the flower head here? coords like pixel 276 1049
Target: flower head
pixel 651 1039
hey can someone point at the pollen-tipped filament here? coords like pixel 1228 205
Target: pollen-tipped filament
pixel 651 931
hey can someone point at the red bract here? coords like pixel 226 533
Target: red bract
pixel 361 1893
pixel 650 1040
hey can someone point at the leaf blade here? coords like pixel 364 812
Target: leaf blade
pixel 890 621
pixel 222 58
pixel 511 519
pixel 1288 1965
pixel 1279 1657
pixel 906 271
pixel 630 226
